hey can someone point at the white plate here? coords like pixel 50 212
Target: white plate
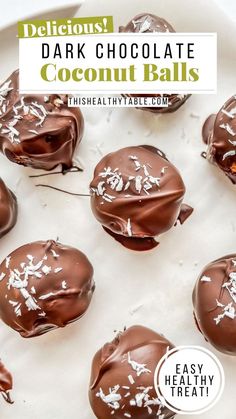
pixel 16 10
pixel 51 372
pixel 229 7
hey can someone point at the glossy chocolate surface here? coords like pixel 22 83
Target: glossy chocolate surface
pixel 5 383
pixel 8 209
pixel 219 133
pixel 149 23
pixel 35 130
pixel 44 285
pixel 122 377
pixel 214 301
pixel 137 194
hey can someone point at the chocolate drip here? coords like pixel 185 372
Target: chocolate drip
pixel 133 243
pixel 73 169
pixel 185 212
pixel 5 383
pixel 7 397
pixel 61 190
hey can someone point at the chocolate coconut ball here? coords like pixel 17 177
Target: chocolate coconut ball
pixel 122 377
pixel 136 194
pixel 5 383
pixel 214 301
pixel 219 133
pixel 44 285
pixel 37 131
pixel 8 209
pixel 149 23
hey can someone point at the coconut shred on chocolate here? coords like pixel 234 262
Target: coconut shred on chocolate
pixel 6 383
pixel 137 194
pixel 219 133
pixel 149 23
pixel 44 285
pixel 35 130
pixel 8 209
pixel 122 377
pixel 214 301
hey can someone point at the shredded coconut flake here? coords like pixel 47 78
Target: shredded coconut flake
pixel 139 368
pixel 232 142
pixel 8 258
pixel 131 379
pixel 2 276
pixel 112 399
pixel 55 255
pixel 33 290
pixel 227 113
pixel 228 128
pixel 46 269
pixel 119 398
pixel 229 309
pixel 205 278
pixel 143 183
pixel 129 228
pixel 46 296
pixel 145 24
pixel 33 131
pixel 229 154
pixel 64 285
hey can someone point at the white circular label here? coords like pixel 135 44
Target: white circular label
pixel 189 379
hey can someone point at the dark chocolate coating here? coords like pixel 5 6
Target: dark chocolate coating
pixel 214 301
pixel 8 209
pixel 6 383
pixel 126 367
pixel 44 285
pixel 137 194
pixel 149 23
pixel 219 133
pixel 35 130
